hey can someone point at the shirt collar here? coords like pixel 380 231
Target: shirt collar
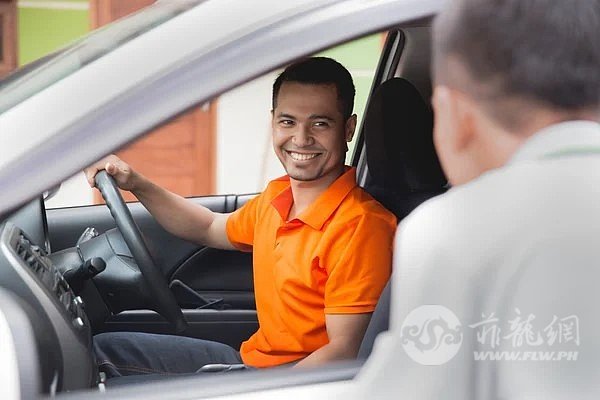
pixel 321 209
pixel 558 137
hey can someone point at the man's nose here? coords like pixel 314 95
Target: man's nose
pixel 303 137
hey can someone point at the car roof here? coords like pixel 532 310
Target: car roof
pixel 162 72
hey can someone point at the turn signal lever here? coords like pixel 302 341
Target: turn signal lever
pixel 90 268
pixel 88 233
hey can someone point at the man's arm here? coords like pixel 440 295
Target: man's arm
pixel 180 217
pixel 360 263
pixel 345 332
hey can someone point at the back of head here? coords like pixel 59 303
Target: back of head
pixel 320 71
pixel 545 52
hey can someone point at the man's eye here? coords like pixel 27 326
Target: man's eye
pixel 321 124
pixel 286 122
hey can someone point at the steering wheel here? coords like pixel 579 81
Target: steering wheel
pixel 164 300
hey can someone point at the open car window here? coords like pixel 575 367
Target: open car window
pixel 224 146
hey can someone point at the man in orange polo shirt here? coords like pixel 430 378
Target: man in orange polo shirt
pixel 321 245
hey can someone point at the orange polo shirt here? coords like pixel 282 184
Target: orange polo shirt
pixel 335 258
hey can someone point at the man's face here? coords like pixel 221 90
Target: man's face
pixel 309 131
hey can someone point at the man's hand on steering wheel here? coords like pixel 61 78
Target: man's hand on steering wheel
pixel 122 173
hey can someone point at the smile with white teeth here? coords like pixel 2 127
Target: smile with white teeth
pixel 302 156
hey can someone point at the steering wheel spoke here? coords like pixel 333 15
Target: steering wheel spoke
pixel 164 300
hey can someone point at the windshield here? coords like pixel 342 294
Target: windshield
pixel 42 73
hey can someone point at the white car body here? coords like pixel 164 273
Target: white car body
pixel 50 130
pixel 97 107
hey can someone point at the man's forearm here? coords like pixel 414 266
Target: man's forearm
pixel 345 333
pixel 179 216
pixel 328 353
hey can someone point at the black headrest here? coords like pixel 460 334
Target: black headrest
pixel 399 140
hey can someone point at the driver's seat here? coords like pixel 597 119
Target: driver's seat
pixel 404 170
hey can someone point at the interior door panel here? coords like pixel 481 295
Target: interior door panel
pixel 200 276
pixel 217 273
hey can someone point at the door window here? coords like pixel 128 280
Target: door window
pixel 224 146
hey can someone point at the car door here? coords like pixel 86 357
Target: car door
pixel 312 32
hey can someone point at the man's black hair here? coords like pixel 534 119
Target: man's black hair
pixel 547 51
pixel 317 71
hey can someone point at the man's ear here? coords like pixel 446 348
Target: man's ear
pixel 455 116
pixel 350 127
pixel 466 113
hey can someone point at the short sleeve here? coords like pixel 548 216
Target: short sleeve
pixel 241 224
pixel 364 266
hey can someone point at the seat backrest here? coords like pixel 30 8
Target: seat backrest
pixel 403 167
pixel 380 322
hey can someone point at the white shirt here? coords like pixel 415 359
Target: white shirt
pixel 524 236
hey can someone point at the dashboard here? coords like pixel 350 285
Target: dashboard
pixel 61 327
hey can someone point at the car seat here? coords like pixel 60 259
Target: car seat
pixel 404 170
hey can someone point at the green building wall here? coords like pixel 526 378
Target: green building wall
pixel 44 28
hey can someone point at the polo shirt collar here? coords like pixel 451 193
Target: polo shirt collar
pixel 321 209
pixel 558 137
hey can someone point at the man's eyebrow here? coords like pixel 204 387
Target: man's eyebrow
pixel 284 115
pixel 325 117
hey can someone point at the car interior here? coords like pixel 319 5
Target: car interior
pixel 80 271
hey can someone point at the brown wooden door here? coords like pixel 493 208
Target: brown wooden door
pixel 8 36
pixel 180 155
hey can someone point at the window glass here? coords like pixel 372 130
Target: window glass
pixel 360 57
pixel 224 147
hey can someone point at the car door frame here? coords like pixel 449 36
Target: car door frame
pixel 194 79
pixel 261 381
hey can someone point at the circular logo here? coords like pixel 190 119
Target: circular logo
pixel 431 335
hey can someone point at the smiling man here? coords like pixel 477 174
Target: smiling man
pixel 321 245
